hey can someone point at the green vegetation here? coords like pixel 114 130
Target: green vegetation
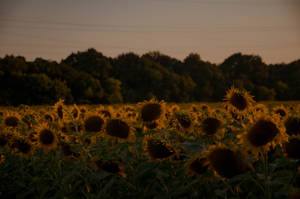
pixel 91 78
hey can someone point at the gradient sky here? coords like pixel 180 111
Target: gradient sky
pixel 215 29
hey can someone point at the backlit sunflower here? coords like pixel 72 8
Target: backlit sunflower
pixel 158 149
pixel 46 137
pixel 24 147
pixel 59 109
pixel 93 122
pixel 183 122
pixel 111 166
pixel 11 119
pixel 119 128
pixel 292 147
pixel 239 101
pixel 197 165
pixel 263 132
pixel 211 125
pixel 292 125
pixel 226 162
pixel 151 111
pixel 281 111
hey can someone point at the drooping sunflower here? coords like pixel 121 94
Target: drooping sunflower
pixel 93 122
pixel 211 125
pixel 59 109
pixel 111 166
pixel 157 149
pixel 197 165
pixel 183 122
pixel 226 162
pixel 151 111
pixel 67 150
pixel 292 125
pixel 11 119
pixel 282 111
pixel 239 101
pixel 292 147
pixel 263 132
pixel 24 147
pixel 119 128
pixel 46 137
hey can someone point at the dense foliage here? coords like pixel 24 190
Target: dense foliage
pixel 89 77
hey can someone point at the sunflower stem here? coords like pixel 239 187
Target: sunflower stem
pixel 266 171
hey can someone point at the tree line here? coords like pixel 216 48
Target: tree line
pixel 89 77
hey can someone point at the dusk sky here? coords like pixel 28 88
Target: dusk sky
pixel 215 29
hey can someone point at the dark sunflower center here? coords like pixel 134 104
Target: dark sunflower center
pixel 93 124
pixel 158 149
pixel 198 166
pixel 117 128
pixel 109 166
pixel 184 120
pixel 226 162
pixel 11 121
pixel 239 101
pixel 46 137
pixel 211 125
pixel 151 112
pixel 262 132
pixel 292 125
pixel 292 148
pixel 281 112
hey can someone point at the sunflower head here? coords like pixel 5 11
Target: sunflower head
pixel 157 149
pixel 281 111
pixel 59 109
pixel 93 122
pixel 292 125
pixel 11 119
pixel 197 165
pixel 262 132
pixel 46 137
pixel 226 162
pixel 24 146
pixel 150 111
pixel 118 128
pixel 239 101
pixel 110 166
pixel 292 147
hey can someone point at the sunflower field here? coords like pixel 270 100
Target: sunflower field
pixel 153 149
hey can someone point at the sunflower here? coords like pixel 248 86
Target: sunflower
pixel 262 133
pixel 292 125
pixel 197 165
pixel 211 125
pixel 119 128
pixel 59 109
pixel 150 111
pixel 111 166
pixel 183 122
pixel 239 102
pixel 75 112
pixel 93 122
pixel 106 111
pixel 226 162
pixel 46 137
pixel 48 117
pixel 11 119
pixel 260 108
pixel 24 147
pixel 281 110
pixel 67 151
pixel 292 147
pixel 158 149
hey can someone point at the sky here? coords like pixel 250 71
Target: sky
pixel 215 29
